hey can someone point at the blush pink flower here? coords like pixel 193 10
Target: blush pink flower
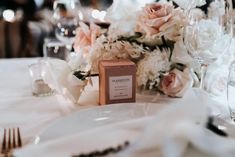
pixel 158 18
pixel 176 82
pixel 86 36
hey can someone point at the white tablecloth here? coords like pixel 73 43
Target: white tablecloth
pixel 19 108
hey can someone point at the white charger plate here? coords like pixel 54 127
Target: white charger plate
pixel 87 119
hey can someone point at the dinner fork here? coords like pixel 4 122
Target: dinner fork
pixel 11 140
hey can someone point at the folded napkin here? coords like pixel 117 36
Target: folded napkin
pixel 176 131
pixel 59 76
pixel 179 131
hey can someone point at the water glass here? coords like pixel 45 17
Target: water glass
pixel 39 87
pixel 231 91
pixel 55 49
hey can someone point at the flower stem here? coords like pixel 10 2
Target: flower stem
pixel 203 74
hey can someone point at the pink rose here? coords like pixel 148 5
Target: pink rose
pixel 86 36
pixel 157 17
pixel 176 82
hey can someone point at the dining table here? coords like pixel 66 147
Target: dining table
pixel 37 116
pixel 19 108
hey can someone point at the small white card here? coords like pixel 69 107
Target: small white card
pixel 120 87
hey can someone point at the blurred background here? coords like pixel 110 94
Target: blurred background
pixel 24 24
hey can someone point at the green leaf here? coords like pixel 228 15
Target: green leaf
pixel 80 75
pixel 178 66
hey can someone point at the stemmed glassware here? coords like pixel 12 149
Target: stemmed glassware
pixel 208 33
pixel 231 91
pixel 66 15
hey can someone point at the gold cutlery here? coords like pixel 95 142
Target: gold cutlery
pixel 11 140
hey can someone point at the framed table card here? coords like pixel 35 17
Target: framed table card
pixel 117 81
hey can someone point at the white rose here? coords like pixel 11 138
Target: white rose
pixel 204 39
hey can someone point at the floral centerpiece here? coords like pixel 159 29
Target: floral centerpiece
pixel 152 37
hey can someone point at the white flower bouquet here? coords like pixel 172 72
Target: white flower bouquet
pixel 152 37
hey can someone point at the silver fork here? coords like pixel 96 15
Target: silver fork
pixel 11 140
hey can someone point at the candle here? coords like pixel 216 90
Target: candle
pixel 117 81
pixel 40 88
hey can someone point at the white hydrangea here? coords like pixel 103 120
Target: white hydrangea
pixel 106 49
pixel 149 68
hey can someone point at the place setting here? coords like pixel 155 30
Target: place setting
pixel 121 79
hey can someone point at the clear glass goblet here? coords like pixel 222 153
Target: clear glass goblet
pixel 66 15
pixel 208 32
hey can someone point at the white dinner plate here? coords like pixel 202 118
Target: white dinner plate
pixel 86 119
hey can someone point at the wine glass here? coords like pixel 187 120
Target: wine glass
pixel 66 15
pixel 208 32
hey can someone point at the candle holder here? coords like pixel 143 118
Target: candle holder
pixel 39 86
